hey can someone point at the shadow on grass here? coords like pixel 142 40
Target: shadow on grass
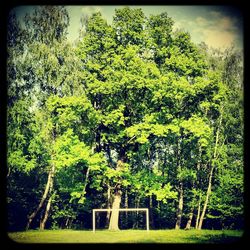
pixel 216 239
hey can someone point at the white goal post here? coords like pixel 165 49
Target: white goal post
pixel 120 209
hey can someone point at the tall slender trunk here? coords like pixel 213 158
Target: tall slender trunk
pixel 8 173
pixel 66 223
pixel 109 188
pixel 198 187
pixel 180 207
pixel 189 222
pixel 48 188
pixel 180 189
pixel 137 213
pixel 46 214
pixel 151 215
pixel 108 205
pixel 209 188
pixel 137 204
pixel 44 197
pixel 198 213
pixel 126 206
pixel 47 210
pixel 85 182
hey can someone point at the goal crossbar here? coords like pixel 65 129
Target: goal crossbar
pixel 120 209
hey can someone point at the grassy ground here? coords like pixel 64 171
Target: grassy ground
pixel 127 236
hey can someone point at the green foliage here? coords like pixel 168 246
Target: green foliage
pixel 131 106
pixel 187 174
pixel 47 24
pixel 199 129
pixel 165 193
pixel 128 24
pixel 69 150
pixel 19 129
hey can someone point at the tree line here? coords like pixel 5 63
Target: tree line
pixel 133 114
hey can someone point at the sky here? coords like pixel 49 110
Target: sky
pixel 217 26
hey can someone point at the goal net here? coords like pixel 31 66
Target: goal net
pixel 120 209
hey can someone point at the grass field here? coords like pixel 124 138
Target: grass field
pixel 127 236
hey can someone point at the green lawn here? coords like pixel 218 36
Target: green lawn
pixel 127 236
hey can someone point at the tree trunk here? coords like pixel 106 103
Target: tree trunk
pixel 126 206
pixel 180 188
pixel 198 187
pixel 108 205
pixel 85 182
pixel 67 223
pixel 137 204
pixel 180 207
pixel 209 188
pixel 8 174
pixel 151 215
pixel 47 210
pixel 46 214
pixel 44 197
pixel 198 213
pixel 113 224
pixel 189 222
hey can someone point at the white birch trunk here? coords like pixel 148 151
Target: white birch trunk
pixel 189 222
pixel 44 197
pixel 209 188
pixel 180 207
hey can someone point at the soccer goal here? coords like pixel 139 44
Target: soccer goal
pixel 123 210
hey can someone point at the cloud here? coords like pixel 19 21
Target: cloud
pixel 217 30
pixel 88 10
pixel 177 25
pixel 182 24
pixel 220 22
pixel 226 23
pixel 218 38
pixel 201 21
pixel 215 14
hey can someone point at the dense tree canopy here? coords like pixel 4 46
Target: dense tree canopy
pixel 133 115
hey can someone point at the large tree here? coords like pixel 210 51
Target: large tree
pixel 140 98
